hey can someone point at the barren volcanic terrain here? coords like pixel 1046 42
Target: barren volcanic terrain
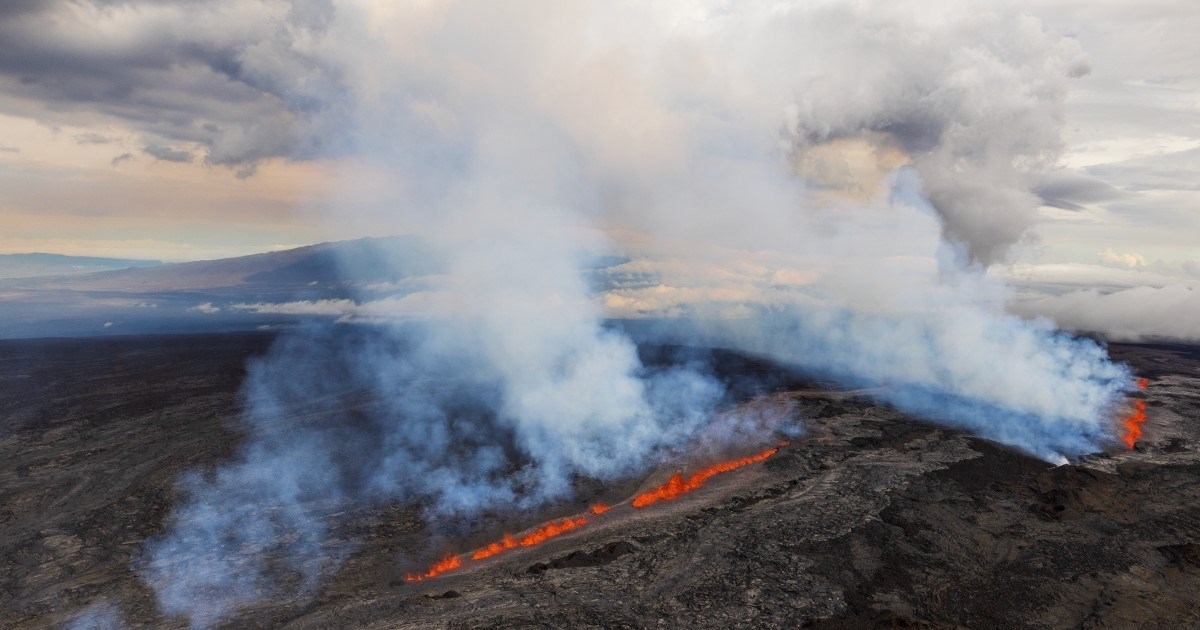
pixel 870 518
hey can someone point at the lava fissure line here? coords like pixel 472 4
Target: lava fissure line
pixel 673 489
pixel 677 486
pixel 539 535
pixel 1133 422
pixel 441 566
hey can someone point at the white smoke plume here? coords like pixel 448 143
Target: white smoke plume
pixel 852 164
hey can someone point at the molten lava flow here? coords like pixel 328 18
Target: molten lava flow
pixel 1133 422
pixel 677 485
pixel 545 532
pixel 441 566
pixel 670 490
pixel 486 552
pixel 536 537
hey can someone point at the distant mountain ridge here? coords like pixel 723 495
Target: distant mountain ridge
pixel 42 264
pixel 204 295
pixel 363 260
pixel 213 295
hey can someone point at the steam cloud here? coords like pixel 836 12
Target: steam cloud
pixel 834 175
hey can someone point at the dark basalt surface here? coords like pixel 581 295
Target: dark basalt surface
pixel 871 520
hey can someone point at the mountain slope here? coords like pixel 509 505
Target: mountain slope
pixel 37 265
pixel 381 259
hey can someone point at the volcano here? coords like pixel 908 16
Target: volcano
pixel 870 518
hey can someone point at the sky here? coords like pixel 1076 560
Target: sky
pixel 192 130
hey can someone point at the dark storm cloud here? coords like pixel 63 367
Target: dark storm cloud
pixel 228 77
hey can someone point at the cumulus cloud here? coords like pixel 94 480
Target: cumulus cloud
pixel 1131 260
pixel 206 308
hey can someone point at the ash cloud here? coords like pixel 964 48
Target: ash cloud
pixel 526 142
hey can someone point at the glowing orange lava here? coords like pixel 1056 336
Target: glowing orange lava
pixel 537 536
pixel 670 490
pixel 508 542
pixel 1133 422
pixel 441 566
pixel 677 485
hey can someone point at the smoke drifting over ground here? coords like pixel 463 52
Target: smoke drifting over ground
pixel 847 167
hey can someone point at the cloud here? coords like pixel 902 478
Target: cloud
pixel 1130 260
pixel 1071 191
pixel 14 8
pixel 1082 275
pixel 1135 314
pixel 124 157
pixel 206 308
pixel 421 305
pixel 91 137
pixel 168 154
pixel 215 75
pixel 8 149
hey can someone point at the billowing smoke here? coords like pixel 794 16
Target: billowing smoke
pixel 348 419
pixel 819 183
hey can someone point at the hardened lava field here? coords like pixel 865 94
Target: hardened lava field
pixel 868 519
